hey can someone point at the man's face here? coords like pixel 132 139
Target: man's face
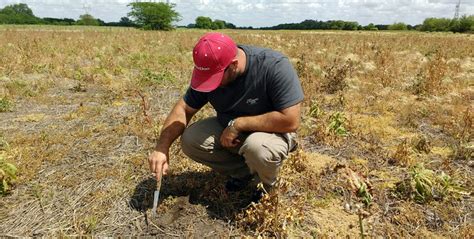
pixel 230 74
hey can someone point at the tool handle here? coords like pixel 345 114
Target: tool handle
pixel 158 182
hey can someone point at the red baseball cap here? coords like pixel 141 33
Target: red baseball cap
pixel 212 54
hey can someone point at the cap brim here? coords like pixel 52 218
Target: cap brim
pixel 206 82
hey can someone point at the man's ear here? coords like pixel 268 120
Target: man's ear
pixel 235 64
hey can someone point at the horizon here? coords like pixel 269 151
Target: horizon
pixel 411 12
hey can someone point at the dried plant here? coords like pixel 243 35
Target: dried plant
pixel 430 78
pixel 336 75
pixel 402 155
pixel 272 215
pixel 463 146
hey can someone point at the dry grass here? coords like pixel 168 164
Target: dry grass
pixel 80 109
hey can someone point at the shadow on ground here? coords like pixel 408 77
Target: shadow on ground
pixel 193 188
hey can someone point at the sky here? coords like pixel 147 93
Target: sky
pixel 263 13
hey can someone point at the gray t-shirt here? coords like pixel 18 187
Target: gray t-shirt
pixel 269 83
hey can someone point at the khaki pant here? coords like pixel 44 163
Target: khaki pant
pixel 259 152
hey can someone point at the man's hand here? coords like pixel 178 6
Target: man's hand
pixel 158 163
pixel 229 138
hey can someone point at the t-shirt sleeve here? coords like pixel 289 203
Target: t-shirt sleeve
pixel 284 88
pixel 195 99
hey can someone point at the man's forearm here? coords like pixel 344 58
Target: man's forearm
pixel 169 134
pixel 174 126
pixel 273 121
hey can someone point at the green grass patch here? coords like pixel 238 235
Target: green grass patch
pixel 5 105
pixel 7 175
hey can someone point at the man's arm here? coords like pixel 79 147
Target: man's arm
pixel 173 127
pixel 284 121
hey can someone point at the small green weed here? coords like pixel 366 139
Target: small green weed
pixel 20 88
pixel 449 186
pixel 315 110
pixel 364 194
pixel 149 77
pixel 424 185
pixel 5 105
pixel 7 175
pixel 91 223
pixel 3 143
pixel 424 182
pixel 336 124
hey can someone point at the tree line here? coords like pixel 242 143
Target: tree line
pixel 22 14
pixel 161 16
pixel 146 15
pixel 462 24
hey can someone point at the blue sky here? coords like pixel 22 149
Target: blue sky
pixel 260 13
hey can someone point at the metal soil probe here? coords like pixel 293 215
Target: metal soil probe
pixel 156 195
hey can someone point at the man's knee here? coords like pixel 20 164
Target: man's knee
pixel 199 137
pixel 264 153
pixel 258 149
pixel 188 143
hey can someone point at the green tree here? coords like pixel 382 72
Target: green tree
pixel 218 24
pixel 466 23
pixel 154 16
pixel 20 8
pixel 371 27
pixel 399 26
pixel 455 25
pixel 125 21
pixel 436 24
pixel 336 25
pixel 204 22
pixel 230 25
pixel 18 14
pixel 88 20
pixel 58 21
pixel 428 25
pixel 350 26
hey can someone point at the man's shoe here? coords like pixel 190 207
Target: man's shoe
pixel 257 195
pixel 237 184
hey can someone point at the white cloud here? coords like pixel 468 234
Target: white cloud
pixel 264 12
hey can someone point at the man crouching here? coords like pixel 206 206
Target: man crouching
pixel 257 96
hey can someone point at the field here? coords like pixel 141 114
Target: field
pixel 386 143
